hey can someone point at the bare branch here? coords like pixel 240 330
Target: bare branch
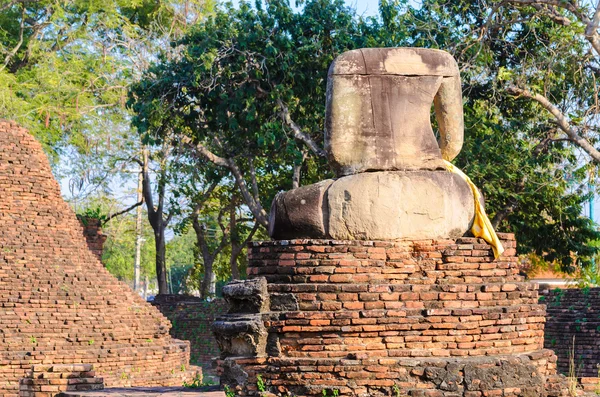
pixel 253 203
pixel 253 178
pixel 14 51
pixel 562 122
pixel 204 152
pixel 284 113
pixel 126 210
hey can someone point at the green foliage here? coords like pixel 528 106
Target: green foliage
pixel 195 383
pixel 588 277
pixel 260 384
pixel 65 64
pixel 91 213
pixel 240 63
pixel 513 151
pixel 229 392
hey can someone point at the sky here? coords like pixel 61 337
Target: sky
pixel 364 7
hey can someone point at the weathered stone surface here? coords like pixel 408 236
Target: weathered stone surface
pixel 399 205
pixel 284 302
pixel 299 212
pixel 382 206
pixel 247 296
pixel 240 335
pixel 378 110
pixel 409 61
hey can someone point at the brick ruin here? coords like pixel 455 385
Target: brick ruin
pixel 427 318
pixel 573 326
pixel 53 379
pixel 59 304
pixel 191 319
pixel 94 238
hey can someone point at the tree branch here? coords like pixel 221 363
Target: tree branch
pixel 253 203
pixel 126 210
pixel 14 51
pixel 147 189
pixel 253 178
pixel 591 25
pixel 591 30
pixel 561 120
pixel 284 113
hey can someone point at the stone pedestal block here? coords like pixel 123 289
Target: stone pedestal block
pixel 376 206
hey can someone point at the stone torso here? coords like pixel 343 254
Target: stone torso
pixel 379 107
pixel 387 127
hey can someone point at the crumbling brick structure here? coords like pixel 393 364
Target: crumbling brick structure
pixel 573 328
pixel 191 319
pixel 426 318
pixel 59 305
pixel 52 380
pixel 94 238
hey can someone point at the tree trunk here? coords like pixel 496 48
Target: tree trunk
pixel 138 236
pixel 161 266
pixel 235 271
pixel 156 219
pixel 208 287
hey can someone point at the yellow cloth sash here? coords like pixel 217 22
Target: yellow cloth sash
pixel 482 227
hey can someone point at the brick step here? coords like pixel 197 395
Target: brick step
pixel 367 374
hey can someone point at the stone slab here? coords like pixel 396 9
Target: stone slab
pixel 390 205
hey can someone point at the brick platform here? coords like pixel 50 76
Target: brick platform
pixel 51 380
pixel 59 305
pixel 149 392
pixel 431 318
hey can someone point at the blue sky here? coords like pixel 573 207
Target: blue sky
pixel 364 7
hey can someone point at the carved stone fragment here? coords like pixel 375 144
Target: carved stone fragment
pixel 247 296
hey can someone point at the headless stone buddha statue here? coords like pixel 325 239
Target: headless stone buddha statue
pixel 392 182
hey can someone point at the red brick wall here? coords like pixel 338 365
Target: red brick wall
pixel 58 303
pixel 94 238
pixel 432 318
pixel 574 316
pixel 191 320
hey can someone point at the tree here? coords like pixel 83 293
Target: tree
pixel 65 65
pixel 238 92
pixel 248 96
pixel 533 180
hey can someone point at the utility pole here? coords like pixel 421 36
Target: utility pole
pixel 591 203
pixel 138 235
